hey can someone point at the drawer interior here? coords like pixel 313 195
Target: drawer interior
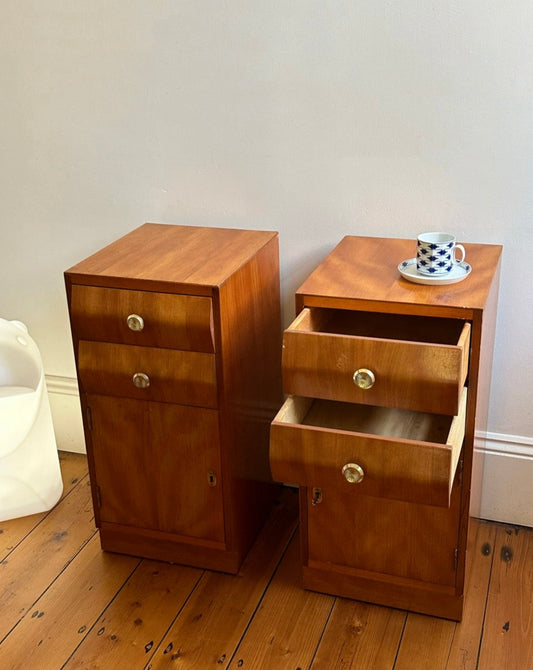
pixel 382 421
pixel 406 327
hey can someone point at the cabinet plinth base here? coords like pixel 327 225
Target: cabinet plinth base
pixel 168 548
pixel 434 600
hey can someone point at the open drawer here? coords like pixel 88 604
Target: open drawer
pixel 391 360
pixel 374 451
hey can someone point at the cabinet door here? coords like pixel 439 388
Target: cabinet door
pixel 384 537
pixel 157 466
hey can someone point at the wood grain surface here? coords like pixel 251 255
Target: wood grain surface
pixel 66 604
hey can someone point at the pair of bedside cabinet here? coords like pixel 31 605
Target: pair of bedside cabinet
pixel 177 340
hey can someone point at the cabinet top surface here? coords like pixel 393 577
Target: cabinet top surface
pixel 366 269
pixel 174 254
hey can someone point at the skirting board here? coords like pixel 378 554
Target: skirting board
pixel 501 482
pixel 66 413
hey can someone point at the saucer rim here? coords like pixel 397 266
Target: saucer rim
pixel 418 278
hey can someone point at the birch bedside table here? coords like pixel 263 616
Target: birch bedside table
pixel 387 381
pixel 177 341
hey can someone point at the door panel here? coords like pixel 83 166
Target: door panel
pixel 157 466
pixel 384 536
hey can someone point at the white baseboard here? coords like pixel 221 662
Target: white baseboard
pixel 66 413
pixel 502 479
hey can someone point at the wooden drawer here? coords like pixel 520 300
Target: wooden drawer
pixel 168 320
pixel 404 455
pixel 185 377
pixel 418 363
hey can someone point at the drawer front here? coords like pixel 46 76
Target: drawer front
pixel 142 318
pixel 185 377
pixel 418 375
pixel 388 453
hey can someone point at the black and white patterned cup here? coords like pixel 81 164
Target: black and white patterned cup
pixel 436 253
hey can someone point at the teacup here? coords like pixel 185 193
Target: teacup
pixel 436 253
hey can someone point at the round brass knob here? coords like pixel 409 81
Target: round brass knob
pixel 141 381
pixel 353 473
pixel 364 378
pixel 135 322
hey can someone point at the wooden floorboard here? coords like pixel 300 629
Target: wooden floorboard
pixel 209 629
pixel 359 635
pixel 466 641
pixel 66 604
pixel 59 619
pixel 137 619
pixel 73 469
pixel 508 630
pixel 288 625
pixel 29 569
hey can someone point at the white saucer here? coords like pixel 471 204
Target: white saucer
pixel 459 272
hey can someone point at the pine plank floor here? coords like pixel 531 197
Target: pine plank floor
pixel 66 604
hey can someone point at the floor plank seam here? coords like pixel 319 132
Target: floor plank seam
pixel 400 641
pixel 261 598
pixel 326 622
pixel 48 587
pixel 451 645
pixel 482 631
pixel 99 615
pixel 157 647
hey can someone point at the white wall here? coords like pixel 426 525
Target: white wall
pixel 317 119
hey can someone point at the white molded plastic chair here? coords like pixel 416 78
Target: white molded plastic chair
pixel 30 477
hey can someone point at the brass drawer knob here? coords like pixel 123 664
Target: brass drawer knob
pixel 353 473
pixel 364 378
pixel 135 322
pixel 141 380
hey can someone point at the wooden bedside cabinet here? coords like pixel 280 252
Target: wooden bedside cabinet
pixel 387 381
pixel 177 341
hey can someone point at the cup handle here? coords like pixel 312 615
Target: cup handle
pixel 463 252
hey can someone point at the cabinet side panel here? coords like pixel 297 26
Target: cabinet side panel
pixel 482 347
pixel 249 374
